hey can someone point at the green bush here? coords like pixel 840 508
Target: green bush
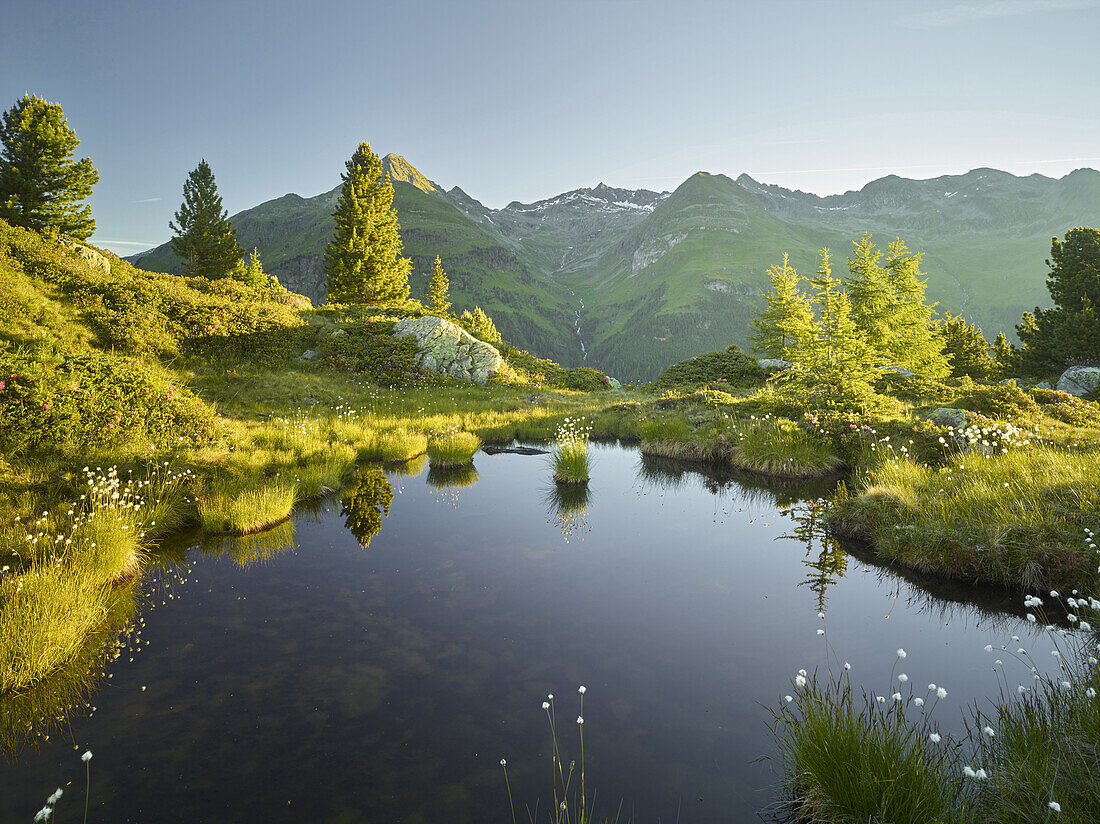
pixel 1005 402
pixel 732 367
pixel 93 399
pixel 1066 407
pixel 370 350
pixel 915 389
pixel 541 372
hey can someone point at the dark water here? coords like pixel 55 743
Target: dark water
pixel 303 677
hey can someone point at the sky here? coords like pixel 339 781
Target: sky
pixel 519 100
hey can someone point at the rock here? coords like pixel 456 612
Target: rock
pixel 513 450
pixel 95 259
pixel 340 333
pixel 614 384
pixel 449 349
pixel 1080 380
pixel 309 354
pixel 1007 381
pixel 773 363
pixel 1044 385
pixel 900 370
pixel 949 416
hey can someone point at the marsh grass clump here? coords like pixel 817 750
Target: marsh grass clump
pixel 452 447
pixel 227 508
pixel 395 445
pixel 570 454
pixel 845 762
pixel 782 448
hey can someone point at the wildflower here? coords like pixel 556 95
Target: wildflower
pixel 44 814
pixel 902 653
pixel 580 719
pixel 919 702
pixel 1054 805
pixel 989 648
pixel 934 737
pixel 821 632
pixel 1031 618
pixel 53 799
pixel 903 678
pixel 87 756
pixel 788 698
pixel 896 696
pixel 1090 692
pixel 503 763
pixel 800 681
pixel 969 771
pixel 981 775
pixel 989 731
pixel 582 690
pixel 802 672
pixel 931 687
pixel 847 666
pixel 550 696
pixel 941 693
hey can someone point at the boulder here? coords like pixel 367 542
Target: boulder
pixel 947 416
pixel 340 333
pixel 1007 381
pixel 899 370
pixel 773 363
pixel 614 384
pixel 1080 380
pixel 449 349
pixel 309 354
pixel 1044 385
pixel 97 260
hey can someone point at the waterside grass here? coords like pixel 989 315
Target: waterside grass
pixel 452 447
pixel 570 455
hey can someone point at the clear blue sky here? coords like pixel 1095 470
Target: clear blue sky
pixel 523 100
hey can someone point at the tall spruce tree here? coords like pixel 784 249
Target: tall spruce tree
pixel 787 321
pixel 874 299
pixel 967 349
pixel 41 186
pixel 363 262
pixel 915 343
pixel 1069 332
pixel 838 351
pixel 205 240
pixel 438 302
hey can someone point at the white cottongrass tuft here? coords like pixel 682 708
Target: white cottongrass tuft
pixel 87 756
pixel 941 693
pixel 903 678
pixel 582 689
pixel 934 737
pixel 901 653
pixel 1054 805
pixel 989 731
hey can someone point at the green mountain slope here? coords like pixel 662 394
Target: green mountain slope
pixel 630 281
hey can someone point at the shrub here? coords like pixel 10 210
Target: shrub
pixel 1004 401
pixel 733 367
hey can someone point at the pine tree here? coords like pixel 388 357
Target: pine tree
pixel 480 325
pixel 915 344
pixel 363 262
pixel 1004 353
pixel 1069 332
pixel 837 353
pixel 967 349
pixel 252 272
pixel 204 239
pixel 438 303
pixel 787 320
pixel 41 186
pixel 874 300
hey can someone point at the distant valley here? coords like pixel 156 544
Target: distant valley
pixel 630 281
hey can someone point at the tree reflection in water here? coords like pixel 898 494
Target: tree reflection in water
pixel 365 501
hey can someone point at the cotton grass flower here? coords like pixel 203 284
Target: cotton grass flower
pixel 934 737
pixel 903 678
pixel 989 731
pixel 902 653
pixel 1054 805
pixel 941 693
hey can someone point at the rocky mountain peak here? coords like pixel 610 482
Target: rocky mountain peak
pixel 401 170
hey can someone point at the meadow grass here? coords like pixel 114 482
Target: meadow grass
pixel 1016 518
pixel 452 447
pixel 782 449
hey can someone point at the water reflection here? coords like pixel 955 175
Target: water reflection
pixel 567 506
pixel 824 556
pixel 452 477
pixel 262 547
pixel 365 502
pixel 47 706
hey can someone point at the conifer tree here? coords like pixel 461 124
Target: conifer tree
pixel 838 351
pixel 915 344
pixel 41 186
pixel 438 302
pixel 874 299
pixel 1069 332
pixel 252 272
pixel 1004 353
pixel 967 349
pixel 787 320
pixel 205 240
pixel 363 262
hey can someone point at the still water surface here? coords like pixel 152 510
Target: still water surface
pixel 305 677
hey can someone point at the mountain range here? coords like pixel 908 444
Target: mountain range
pixel 631 280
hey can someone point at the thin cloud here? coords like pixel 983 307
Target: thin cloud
pixel 148 200
pixel 976 12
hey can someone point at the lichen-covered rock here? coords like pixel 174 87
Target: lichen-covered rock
pixel 1044 385
pixel 899 370
pixel 95 259
pixel 773 363
pixel 614 384
pixel 1080 380
pixel 450 349
pixel 309 354
pixel 947 416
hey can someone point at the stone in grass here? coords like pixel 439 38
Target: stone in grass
pixel 309 354
pixel 1080 380
pixel 340 333
pixel 947 416
pixel 773 363
pixel 449 349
